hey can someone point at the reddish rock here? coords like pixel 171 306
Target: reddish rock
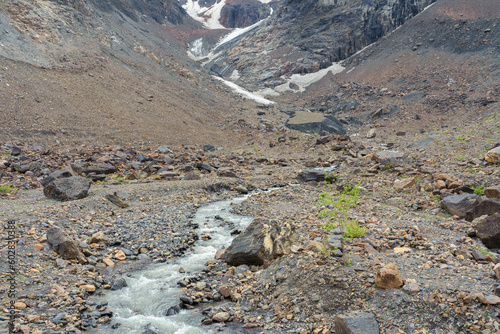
pixel 388 277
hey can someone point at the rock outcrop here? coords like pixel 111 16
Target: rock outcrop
pixel 243 13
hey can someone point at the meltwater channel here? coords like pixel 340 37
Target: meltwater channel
pixel 140 306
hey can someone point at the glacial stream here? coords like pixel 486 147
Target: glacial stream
pixel 151 292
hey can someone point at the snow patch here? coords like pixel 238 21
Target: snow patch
pixel 305 80
pixel 240 90
pixel 209 16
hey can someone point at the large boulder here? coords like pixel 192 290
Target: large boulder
pixel 58 174
pixel 356 323
pixel 63 244
pixel 493 155
pixel 488 206
pixel 459 205
pixel 316 175
pixel 261 240
pixel 311 122
pixel 67 188
pixel 488 230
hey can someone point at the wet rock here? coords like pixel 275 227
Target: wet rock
pixel 488 230
pixel 316 175
pixel 356 323
pixel 67 188
pixel 492 192
pixel 117 283
pixel 388 277
pixel 262 240
pixel 63 244
pixel 493 155
pixel 488 206
pixel 172 310
pixel 459 205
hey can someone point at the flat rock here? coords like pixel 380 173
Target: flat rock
pixel 356 323
pixel 387 157
pixel 459 205
pixel 488 230
pixel 262 240
pixel 404 183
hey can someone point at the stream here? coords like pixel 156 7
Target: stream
pixel 140 306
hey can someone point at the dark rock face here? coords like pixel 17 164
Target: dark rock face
pixel 243 14
pixel 63 244
pixel 316 32
pixel 314 175
pixel 488 230
pixel 488 206
pixel 459 205
pixel 323 123
pixel 261 240
pixel 68 188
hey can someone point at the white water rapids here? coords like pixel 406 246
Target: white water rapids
pixel 151 292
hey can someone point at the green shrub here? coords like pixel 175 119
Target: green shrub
pixel 478 190
pixel 5 189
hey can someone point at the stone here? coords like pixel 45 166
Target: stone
pixel 164 149
pixel 67 188
pixel 404 183
pixel 120 255
pixel 117 283
pixel 172 310
pixel 492 192
pixel 493 155
pixel 492 300
pixel 458 205
pixel 314 246
pixel 496 270
pixel 108 262
pixel 209 148
pixel 371 134
pixel 356 323
pixel 389 158
pixel 388 277
pixel 225 291
pixel 316 175
pixel 226 172
pixel 261 240
pixel 488 206
pixel 98 238
pixel 241 189
pixel 193 176
pixel 58 174
pixel 113 198
pixel 59 318
pixel 15 151
pixel 220 254
pixel 201 285
pixel 88 287
pixel 221 317
pixel 20 305
pixel 63 244
pixel 38 247
pixel 488 230
pixel 312 122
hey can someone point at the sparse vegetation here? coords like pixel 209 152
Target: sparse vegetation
pixel 478 190
pixel 5 189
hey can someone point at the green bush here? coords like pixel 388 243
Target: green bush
pixel 5 189
pixel 478 190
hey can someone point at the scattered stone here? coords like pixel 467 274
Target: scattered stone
pixel 261 240
pixel 172 310
pixel 108 262
pixel 492 192
pixel 316 175
pixel 221 317
pixel 241 189
pixel 20 305
pixel 459 205
pixel 389 158
pixel 404 183
pixel 164 149
pixel 98 238
pixel 356 323
pixel 493 155
pixel 88 287
pixel 120 255
pixel 371 134
pixel 388 277
pixel 118 283
pixel 116 200
pixel 226 172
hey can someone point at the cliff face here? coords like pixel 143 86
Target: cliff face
pixel 303 36
pixel 243 13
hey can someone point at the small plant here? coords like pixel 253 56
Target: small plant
pixel 478 190
pixel 5 189
pixel 336 207
pixel 483 251
pixel 327 252
pixel 460 157
pixel 353 230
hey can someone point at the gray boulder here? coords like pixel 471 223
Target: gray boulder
pixel 63 244
pixel 262 240
pixel 459 204
pixel 67 188
pixel 356 323
pixel 488 206
pixel 316 175
pixel 58 174
pixel 391 158
pixel 488 230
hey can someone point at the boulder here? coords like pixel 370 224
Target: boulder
pixel 193 176
pixel 488 230
pixel 404 183
pixel 58 174
pixel 312 122
pixel 227 172
pixel 492 192
pixel 63 244
pixel 391 158
pixel 117 283
pixel 67 188
pixel 316 175
pixel 356 323
pixel 459 205
pixel 164 149
pixel 262 240
pixel 493 155
pixel 488 206
pixel 388 277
